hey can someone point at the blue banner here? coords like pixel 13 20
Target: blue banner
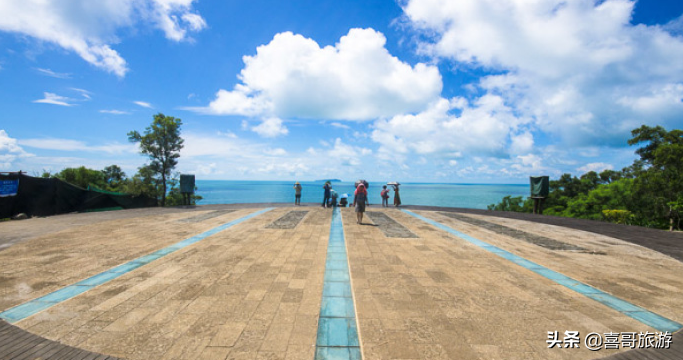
pixel 9 187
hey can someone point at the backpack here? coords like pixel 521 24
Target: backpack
pixel 385 193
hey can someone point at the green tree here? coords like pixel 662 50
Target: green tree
pixel 510 203
pixel 114 177
pixel 652 137
pixel 561 191
pixel 659 179
pixel 614 196
pixel 589 181
pixel 82 177
pixel 609 176
pixel 647 193
pixel 142 183
pixel 175 197
pixel 161 142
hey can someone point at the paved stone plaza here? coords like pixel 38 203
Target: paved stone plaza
pixel 253 290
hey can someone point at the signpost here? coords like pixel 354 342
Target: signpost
pixel 187 188
pixel 540 188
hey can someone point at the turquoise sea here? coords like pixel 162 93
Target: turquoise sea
pixel 474 196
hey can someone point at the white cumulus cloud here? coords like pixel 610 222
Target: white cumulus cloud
pixel 275 152
pixel 578 68
pixel 89 28
pixel 10 151
pixel 483 127
pixel 237 102
pixel 271 128
pixel 348 155
pixel 597 167
pixel 175 18
pixel 356 79
pixel 521 143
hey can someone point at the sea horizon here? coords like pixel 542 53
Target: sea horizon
pixel 463 195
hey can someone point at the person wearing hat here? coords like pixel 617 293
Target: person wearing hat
pixel 297 193
pixel 397 198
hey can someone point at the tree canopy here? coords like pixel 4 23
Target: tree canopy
pixel 83 177
pixel 162 143
pixel 112 178
pixel 647 193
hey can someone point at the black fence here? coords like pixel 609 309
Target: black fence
pixel 51 196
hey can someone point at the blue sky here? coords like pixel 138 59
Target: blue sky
pixel 474 91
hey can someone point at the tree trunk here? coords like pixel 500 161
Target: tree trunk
pixel 163 186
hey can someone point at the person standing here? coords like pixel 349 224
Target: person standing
pixel 326 195
pixel 297 193
pixel 360 200
pixel 397 198
pixel 385 196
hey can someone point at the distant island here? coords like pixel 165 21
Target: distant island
pixel 330 180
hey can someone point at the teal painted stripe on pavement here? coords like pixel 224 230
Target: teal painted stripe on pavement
pixel 337 329
pixel 633 311
pixel 34 306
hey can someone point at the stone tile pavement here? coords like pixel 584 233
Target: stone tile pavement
pixel 251 292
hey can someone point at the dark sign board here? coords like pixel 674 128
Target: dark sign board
pixel 187 184
pixel 540 186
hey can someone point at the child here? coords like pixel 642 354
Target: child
pixel 385 196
